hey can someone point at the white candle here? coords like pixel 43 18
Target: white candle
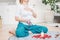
pixel 42 34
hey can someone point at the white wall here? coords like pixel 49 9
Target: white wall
pixel 8 12
pixel 7 0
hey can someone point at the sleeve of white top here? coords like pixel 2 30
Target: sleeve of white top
pixel 18 11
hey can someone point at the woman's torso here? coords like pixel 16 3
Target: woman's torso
pixel 25 13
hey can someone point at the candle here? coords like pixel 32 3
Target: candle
pixel 42 34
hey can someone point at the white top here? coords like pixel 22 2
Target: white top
pixel 24 13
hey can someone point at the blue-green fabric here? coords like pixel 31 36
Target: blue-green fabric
pixel 22 29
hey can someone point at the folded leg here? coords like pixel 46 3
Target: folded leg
pixel 38 29
pixel 21 31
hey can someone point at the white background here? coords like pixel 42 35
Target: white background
pixel 43 11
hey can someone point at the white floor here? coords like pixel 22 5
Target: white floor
pixel 31 35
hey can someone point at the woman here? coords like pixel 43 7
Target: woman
pixel 23 16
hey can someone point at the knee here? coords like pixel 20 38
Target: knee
pixel 21 32
pixel 45 29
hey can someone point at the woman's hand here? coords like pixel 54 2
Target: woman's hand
pixel 29 22
pixel 28 9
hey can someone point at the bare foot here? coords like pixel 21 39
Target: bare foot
pixel 11 32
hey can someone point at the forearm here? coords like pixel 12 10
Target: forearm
pixel 20 19
pixel 34 14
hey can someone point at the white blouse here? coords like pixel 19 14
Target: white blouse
pixel 24 13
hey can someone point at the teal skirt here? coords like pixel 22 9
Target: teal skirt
pixel 22 29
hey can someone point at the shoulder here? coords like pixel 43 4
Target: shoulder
pixel 19 6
